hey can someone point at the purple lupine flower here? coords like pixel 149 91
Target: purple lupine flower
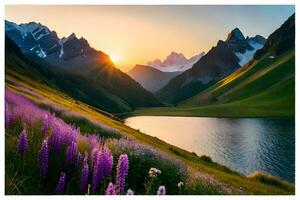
pixel 61 184
pixel 161 190
pixel 96 178
pixel 94 155
pixel 84 178
pixel 43 158
pixel 23 142
pixel 71 153
pixel 106 163
pixel 46 124
pixel 55 140
pixel 102 167
pixel 122 171
pixel 78 161
pixel 86 157
pixel 110 189
pixel 7 115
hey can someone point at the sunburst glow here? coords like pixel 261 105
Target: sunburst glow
pixel 114 58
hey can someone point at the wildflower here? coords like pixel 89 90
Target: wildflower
pixel 153 172
pixel 46 124
pixel 110 189
pixel 130 192
pixel 94 155
pixel 86 157
pixel 55 140
pixel 122 171
pixel 43 158
pixel 23 142
pixel 79 158
pixel 71 153
pixel 61 184
pixel 96 178
pixel 7 115
pixel 180 184
pixel 161 190
pixel 102 167
pixel 84 178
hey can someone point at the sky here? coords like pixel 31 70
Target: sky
pixel 137 34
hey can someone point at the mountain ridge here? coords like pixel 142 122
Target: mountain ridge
pixel 151 78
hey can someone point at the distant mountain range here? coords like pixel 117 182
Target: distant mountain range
pixel 175 62
pixel 71 65
pixel 220 61
pixel 240 71
pixel 151 78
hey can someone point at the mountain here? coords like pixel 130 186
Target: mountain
pixel 175 62
pixel 267 82
pixel 74 67
pixel 150 78
pixel 220 61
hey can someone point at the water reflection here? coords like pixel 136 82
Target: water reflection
pixel 245 145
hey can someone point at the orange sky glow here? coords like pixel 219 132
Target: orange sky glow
pixel 137 34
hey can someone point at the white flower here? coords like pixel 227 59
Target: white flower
pixel 153 172
pixel 180 184
pixel 130 192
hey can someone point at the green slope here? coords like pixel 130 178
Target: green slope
pixel 200 170
pixel 266 84
pixel 107 89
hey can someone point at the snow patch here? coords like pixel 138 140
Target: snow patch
pixel 41 53
pixel 61 43
pixel 248 55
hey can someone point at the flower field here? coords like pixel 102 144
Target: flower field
pixel 46 155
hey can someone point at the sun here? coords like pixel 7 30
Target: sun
pixel 114 58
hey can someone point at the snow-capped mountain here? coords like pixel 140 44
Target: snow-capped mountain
pixel 244 48
pixel 35 38
pixel 175 62
pixel 220 61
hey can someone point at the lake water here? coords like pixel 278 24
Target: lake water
pixel 244 145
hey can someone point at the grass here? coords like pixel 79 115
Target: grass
pixel 224 177
pixel 266 88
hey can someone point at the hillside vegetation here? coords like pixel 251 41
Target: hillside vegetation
pixel 203 176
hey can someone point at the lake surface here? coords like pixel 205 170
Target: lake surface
pixel 245 145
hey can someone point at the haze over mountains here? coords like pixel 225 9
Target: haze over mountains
pixel 175 62
pixel 151 78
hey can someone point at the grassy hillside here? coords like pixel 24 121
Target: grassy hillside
pixel 94 89
pixel 265 88
pixel 268 83
pixel 203 177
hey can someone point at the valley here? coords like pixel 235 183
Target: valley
pixel 214 123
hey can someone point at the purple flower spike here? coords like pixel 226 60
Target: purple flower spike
pixel 71 153
pixel 61 184
pixel 110 189
pixel 7 115
pixel 86 157
pixel 102 167
pixel 55 140
pixel 84 178
pixel 23 143
pixel 43 158
pixel 161 190
pixel 46 124
pixel 79 159
pixel 122 171
pixel 96 178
